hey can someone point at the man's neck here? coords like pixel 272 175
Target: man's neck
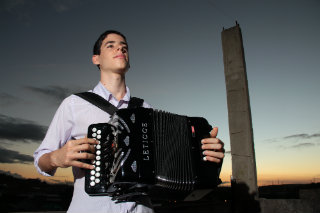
pixel 114 83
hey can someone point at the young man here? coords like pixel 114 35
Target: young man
pixel 65 137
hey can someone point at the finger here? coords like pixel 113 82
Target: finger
pixel 82 165
pixel 213 154
pixel 212 159
pixel 84 147
pixel 210 140
pixel 84 155
pixel 92 149
pixel 214 146
pixel 214 132
pixel 86 141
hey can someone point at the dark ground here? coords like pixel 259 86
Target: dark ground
pixel 26 195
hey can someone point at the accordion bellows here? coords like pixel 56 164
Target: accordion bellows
pixel 144 148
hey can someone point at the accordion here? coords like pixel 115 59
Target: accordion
pixel 143 149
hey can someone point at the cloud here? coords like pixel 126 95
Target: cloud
pixel 295 141
pixel 302 145
pixel 55 93
pixel 300 140
pixel 8 100
pixel 10 156
pixel 295 137
pixel 302 136
pixel 15 129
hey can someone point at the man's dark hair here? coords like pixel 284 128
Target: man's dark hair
pixel 97 45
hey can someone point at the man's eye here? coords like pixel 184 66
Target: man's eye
pixel 110 46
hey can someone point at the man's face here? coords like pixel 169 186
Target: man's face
pixel 114 55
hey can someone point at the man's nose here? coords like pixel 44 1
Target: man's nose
pixel 122 49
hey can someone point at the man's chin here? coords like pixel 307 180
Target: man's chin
pixel 119 69
pixel 122 70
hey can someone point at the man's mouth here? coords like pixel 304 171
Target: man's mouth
pixel 120 56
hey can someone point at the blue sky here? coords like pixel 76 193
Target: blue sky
pixel 176 65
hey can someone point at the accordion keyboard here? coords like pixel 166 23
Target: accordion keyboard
pixel 97 179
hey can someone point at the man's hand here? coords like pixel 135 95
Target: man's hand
pixel 69 155
pixel 213 147
pixel 74 151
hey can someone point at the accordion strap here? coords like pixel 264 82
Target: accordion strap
pixel 135 102
pixel 105 105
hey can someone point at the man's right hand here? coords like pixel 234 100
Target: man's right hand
pixel 74 151
pixel 69 155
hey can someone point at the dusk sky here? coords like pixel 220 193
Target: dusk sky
pixel 176 65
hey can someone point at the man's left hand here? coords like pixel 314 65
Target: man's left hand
pixel 213 147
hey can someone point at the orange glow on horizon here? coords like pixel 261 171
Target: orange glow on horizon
pixel 29 171
pixel 65 175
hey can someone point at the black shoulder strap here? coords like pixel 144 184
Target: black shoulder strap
pixel 135 102
pixel 98 101
pixel 105 105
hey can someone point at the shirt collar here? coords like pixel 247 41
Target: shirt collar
pixel 106 94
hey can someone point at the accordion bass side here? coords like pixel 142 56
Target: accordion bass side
pixel 140 149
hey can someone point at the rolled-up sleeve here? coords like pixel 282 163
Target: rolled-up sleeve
pixel 58 133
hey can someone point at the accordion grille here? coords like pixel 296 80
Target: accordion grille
pixel 172 152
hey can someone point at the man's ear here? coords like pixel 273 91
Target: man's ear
pixel 95 59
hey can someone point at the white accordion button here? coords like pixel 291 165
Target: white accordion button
pixel 98 152
pixel 94 135
pixel 92 172
pixel 98 136
pixel 94 129
pixel 98 169
pixel 99 132
pixel 97 180
pixel 98 158
pixel 92 183
pixel 98 147
pixel 97 174
pixel 92 178
pixel 98 163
